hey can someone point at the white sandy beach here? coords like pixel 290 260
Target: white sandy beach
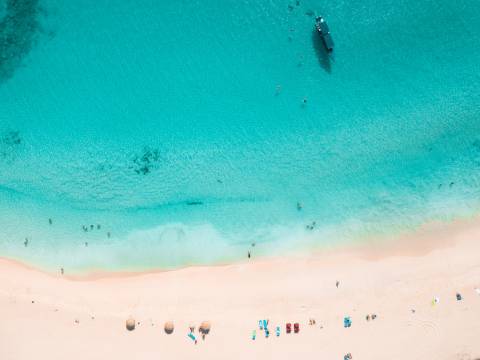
pixel 46 316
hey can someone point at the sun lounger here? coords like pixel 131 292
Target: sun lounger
pixel 254 334
pixel 288 328
pixel 296 327
pixel 265 324
pixel 459 297
pixel 260 324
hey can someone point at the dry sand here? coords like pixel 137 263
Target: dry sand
pixel 45 316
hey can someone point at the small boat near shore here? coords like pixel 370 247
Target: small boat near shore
pixel 324 32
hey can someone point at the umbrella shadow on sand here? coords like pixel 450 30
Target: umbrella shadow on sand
pixel 323 56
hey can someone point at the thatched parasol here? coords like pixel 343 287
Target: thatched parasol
pixel 169 327
pixel 130 323
pixel 205 327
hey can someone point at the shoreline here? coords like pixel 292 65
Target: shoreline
pixel 64 317
pixel 374 248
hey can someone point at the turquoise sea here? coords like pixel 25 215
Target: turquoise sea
pixel 160 134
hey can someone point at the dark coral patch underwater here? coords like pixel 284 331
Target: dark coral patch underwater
pixel 19 26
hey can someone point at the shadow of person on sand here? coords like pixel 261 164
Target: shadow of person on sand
pixel 322 54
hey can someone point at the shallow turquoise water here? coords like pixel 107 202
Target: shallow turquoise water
pixel 179 127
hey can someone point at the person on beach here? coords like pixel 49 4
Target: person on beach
pixel 249 255
pixel 62 271
pixel 337 283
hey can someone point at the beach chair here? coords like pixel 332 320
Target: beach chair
pixel 288 328
pixel 459 297
pixel 260 324
pixel 265 324
pixel 347 322
pixel 277 331
pixel 296 328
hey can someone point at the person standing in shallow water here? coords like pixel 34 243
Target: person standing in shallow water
pixel 248 254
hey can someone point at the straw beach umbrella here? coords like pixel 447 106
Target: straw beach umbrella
pixel 130 323
pixel 205 327
pixel 169 327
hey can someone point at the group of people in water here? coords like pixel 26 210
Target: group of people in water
pixel 311 226
pixel 85 228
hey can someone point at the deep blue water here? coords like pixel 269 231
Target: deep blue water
pixel 180 127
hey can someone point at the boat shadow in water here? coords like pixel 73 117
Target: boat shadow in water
pixel 323 56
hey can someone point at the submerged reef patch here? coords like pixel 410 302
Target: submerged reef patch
pixel 9 143
pixel 19 25
pixel 146 161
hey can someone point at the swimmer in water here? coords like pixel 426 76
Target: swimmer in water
pixel 278 89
